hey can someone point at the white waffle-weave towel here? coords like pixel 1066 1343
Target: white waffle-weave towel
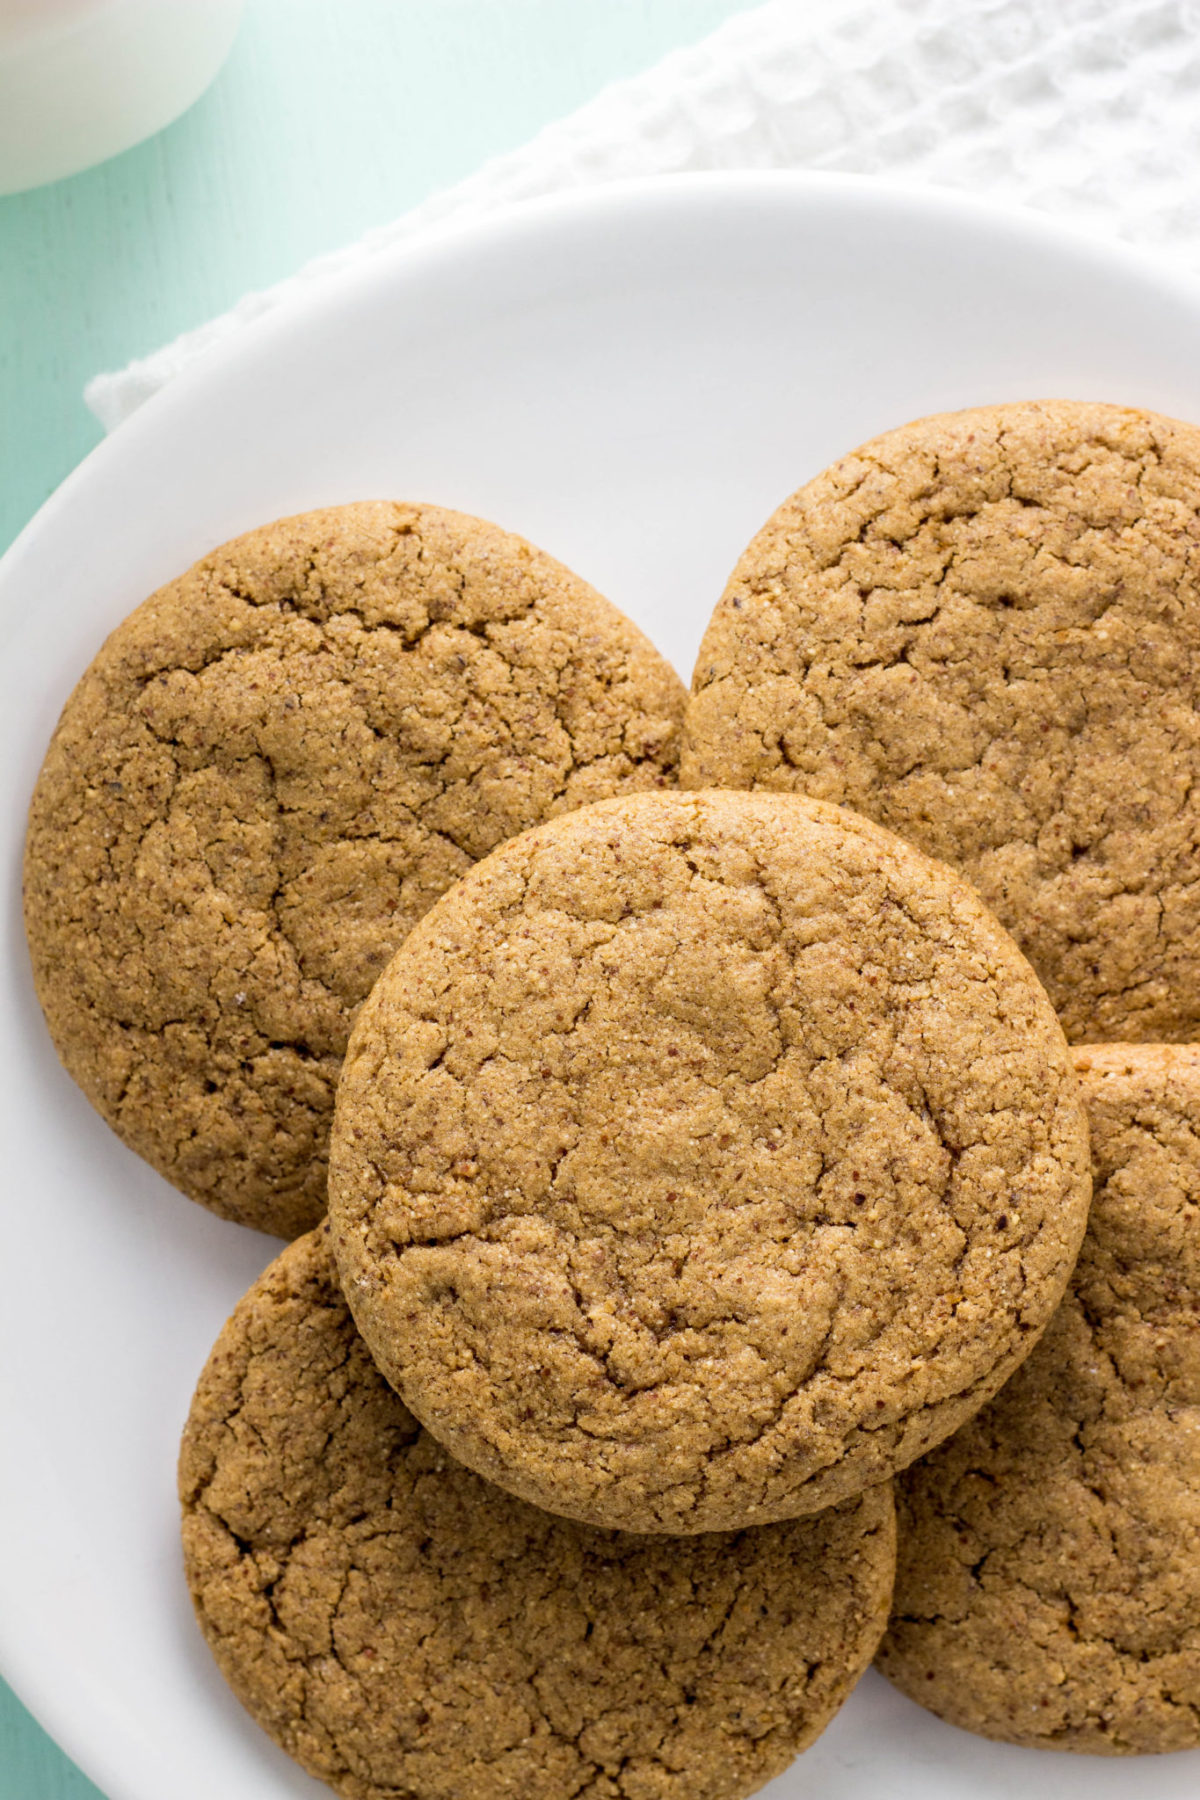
pixel 1086 108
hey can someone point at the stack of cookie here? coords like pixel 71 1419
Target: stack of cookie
pixel 700 1160
pixel 983 631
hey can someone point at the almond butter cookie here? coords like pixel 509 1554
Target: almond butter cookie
pixel 402 1628
pixel 701 1159
pixel 1048 1590
pixel 983 631
pixel 269 772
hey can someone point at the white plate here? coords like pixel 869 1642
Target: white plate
pixel 633 377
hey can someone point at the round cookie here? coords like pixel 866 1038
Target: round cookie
pixel 269 772
pixel 701 1159
pixel 400 1627
pixel 1048 1588
pixel 983 631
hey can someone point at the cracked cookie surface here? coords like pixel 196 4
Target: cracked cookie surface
pixel 1048 1587
pixel 701 1159
pixel 269 772
pixel 400 1627
pixel 983 631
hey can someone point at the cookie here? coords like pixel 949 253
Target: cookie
pixel 983 631
pixel 270 771
pixel 701 1159
pixel 1048 1590
pixel 400 1627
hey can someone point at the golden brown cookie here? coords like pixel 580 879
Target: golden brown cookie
pixel 269 772
pixel 1048 1589
pixel 402 1628
pixel 701 1159
pixel 983 631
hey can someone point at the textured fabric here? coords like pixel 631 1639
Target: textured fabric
pixel 1085 108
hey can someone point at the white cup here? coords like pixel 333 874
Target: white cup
pixel 81 80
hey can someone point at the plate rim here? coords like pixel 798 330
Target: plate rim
pixel 544 214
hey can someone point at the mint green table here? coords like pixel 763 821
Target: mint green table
pixel 331 116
